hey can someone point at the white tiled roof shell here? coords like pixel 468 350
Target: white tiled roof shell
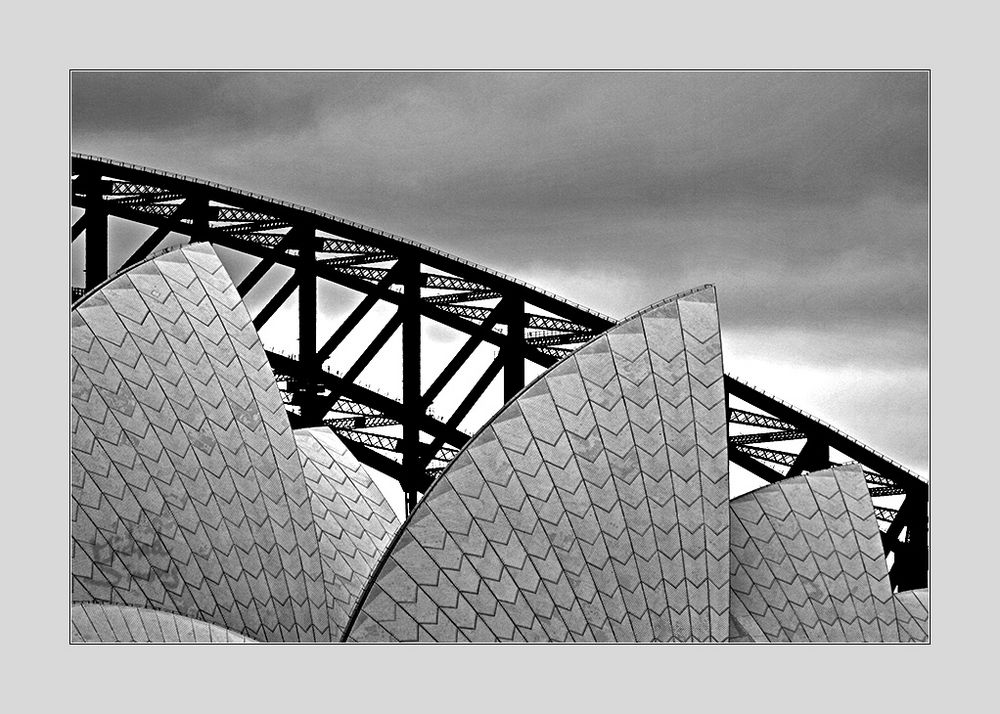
pixel 188 492
pixel 807 563
pixel 355 522
pixel 593 507
pixel 94 622
pixel 913 614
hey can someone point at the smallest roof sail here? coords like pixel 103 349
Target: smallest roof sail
pixel 808 564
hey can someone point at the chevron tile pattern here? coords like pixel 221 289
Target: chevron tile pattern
pixel 807 563
pixel 188 494
pixel 94 622
pixel 355 521
pixel 913 614
pixel 592 508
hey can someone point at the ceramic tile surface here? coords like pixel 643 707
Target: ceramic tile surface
pixel 355 523
pixel 807 562
pixel 913 614
pixel 188 492
pixel 94 622
pixel 594 507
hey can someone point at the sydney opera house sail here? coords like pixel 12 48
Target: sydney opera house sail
pixel 354 522
pixel 808 564
pixel 913 614
pixel 188 491
pixel 93 622
pixel 594 507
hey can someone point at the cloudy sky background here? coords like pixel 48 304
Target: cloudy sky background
pixel 802 196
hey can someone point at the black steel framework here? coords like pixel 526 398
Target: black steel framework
pixel 520 321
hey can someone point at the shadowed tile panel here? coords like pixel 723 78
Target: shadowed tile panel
pixel 355 521
pixel 188 494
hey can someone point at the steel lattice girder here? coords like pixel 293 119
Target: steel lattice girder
pixel 526 323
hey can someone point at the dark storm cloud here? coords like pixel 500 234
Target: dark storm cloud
pixel 184 102
pixel 214 105
pixel 657 144
pixel 558 141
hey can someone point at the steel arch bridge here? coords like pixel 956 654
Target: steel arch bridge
pixel 523 323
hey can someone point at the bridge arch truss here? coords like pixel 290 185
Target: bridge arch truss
pixel 525 325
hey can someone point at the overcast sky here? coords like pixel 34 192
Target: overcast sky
pixel 803 197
